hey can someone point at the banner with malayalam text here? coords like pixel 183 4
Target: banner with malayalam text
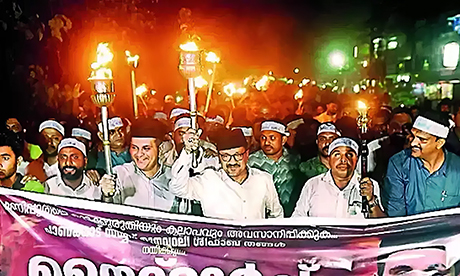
pixel 43 235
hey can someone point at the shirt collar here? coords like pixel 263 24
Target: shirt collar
pixel 85 182
pixel 140 172
pixel 327 177
pixel 284 156
pixel 442 170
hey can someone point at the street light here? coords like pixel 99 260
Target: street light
pixel 337 59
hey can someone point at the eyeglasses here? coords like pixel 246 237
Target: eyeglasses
pixel 228 157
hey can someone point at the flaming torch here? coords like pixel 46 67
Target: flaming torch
pixel 140 91
pixel 133 61
pixel 214 59
pixel 102 85
pixel 190 68
pixel 362 121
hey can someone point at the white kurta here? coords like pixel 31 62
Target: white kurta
pixel 321 197
pixel 135 188
pixel 56 186
pixel 221 197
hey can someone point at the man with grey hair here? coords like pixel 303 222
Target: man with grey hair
pixel 425 176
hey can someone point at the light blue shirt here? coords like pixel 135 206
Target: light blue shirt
pixel 410 189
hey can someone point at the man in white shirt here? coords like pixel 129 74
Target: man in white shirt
pixel 235 191
pixel 145 181
pixel 338 192
pixel 71 179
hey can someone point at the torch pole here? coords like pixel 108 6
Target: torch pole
pixel 192 100
pixel 105 136
pixel 362 123
pixel 133 88
pixel 208 97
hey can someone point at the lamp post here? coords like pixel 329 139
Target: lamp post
pixel 102 85
pixel 214 59
pixel 133 61
pixel 362 121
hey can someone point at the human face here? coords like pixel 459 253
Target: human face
pixel 117 138
pixel 144 152
pixel 332 108
pixel 343 162
pixel 236 164
pixel 417 262
pixel 13 125
pixel 424 144
pixel 323 141
pixel 178 133
pixel 8 163
pixel 272 142
pixel 397 122
pixel 71 163
pixel 49 141
pixel 379 125
pixel 319 109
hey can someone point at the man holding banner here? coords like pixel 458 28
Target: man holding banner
pixel 424 177
pixel 235 191
pixel 338 193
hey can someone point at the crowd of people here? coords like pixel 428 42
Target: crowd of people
pixel 246 163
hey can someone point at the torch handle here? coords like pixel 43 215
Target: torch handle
pixel 364 153
pixel 193 116
pixel 211 84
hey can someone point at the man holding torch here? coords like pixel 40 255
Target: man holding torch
pixel 338 192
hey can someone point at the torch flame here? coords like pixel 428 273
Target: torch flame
pixel 241 90
pixel 212 57
pixel 262 83
pixel 200 82
pixel 230 89
pixel 141 89
pixel 189 47
pixel 362 105
pixel 132 59
pixel 101 69
pixel 298 95
pixel 246 80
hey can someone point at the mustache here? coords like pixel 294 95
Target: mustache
pixel 233 166
pixel 69 167
pixel 415 147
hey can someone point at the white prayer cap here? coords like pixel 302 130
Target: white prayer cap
pixel 274 126
pixel 160 116
pixel 183 122
pixel 72 143
pixel 431 127
pixel 343 142
pixel 113 123
pixel 295 123
pixel 328 127
pixel 175 112
pixel 247 131
pixel 79 132
pixel 52 124
pixel 218 119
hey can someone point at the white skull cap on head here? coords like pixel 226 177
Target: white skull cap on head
pixel 274 126
pixel 52 124
pixel 328 127
pixel 73 143
pixel 343 142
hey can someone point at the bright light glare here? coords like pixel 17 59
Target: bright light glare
pixel 337 59
pixel 451 55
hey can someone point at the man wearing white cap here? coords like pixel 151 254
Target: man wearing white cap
pixel 424 177
pixel 276 160
pixel 118 148
pixel 72 180
pixel 51 134
pixel 338 193
pixel 235 191
pixel 326 133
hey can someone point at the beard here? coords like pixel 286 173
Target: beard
pixel 324 151
pixel 78 172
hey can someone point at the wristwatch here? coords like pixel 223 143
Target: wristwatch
pixel 373 203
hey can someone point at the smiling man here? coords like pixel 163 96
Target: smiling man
pixel 235 191
pixel 338 193
pixel 144 181
pixel 426 176
pixel 71 180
